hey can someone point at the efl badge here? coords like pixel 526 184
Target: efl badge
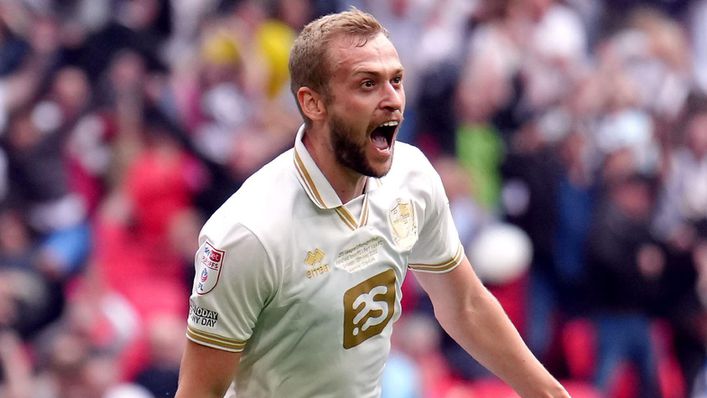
pixel 403 224
pixel 209 261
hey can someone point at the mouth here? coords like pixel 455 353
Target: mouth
pixel 382 136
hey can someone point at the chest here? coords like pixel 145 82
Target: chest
pixel 346 267
pixel 348 244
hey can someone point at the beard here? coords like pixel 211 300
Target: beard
pixel 348 152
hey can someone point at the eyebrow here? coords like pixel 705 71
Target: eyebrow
pixel 364 71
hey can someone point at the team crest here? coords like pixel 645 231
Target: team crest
pixel 209 261
pixel 403 224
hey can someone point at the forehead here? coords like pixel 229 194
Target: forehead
pixel 378 54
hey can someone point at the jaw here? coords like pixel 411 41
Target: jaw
pixel 368 152
pixel 379 159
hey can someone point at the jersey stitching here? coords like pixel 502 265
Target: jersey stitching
pixel 309 182
pixel 346 216
pixel 215 339
pixel 364 212
pixel 444 266
pixel 349 219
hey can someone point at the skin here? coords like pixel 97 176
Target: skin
pixel 364 91
pixel 473 317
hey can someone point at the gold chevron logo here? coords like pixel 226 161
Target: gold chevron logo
pixel 314 257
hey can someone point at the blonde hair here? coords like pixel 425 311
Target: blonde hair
pixel 309 61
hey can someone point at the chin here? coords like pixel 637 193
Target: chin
pixel 383 169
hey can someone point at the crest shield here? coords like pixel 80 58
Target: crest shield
pixel 403 224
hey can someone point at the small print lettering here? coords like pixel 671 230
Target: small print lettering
pixel 360 256
pixel 202 316
pixel 211 264
pixel 316 271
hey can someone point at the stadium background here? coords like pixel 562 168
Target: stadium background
pixel 571 137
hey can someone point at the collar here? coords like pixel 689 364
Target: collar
pixel 313 180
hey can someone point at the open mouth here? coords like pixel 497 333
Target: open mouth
pixel 382 136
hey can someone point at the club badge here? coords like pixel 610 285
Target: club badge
pixel 209 261
pixel 403 224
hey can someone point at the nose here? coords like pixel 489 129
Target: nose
pixel 393 98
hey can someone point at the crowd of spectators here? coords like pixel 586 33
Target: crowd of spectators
pixel 580 124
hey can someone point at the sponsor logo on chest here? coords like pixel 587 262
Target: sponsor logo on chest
pixel 368 308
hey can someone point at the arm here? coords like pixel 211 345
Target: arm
pixel 234 280
pixel 16 366
pixel 476 321
pixel 206 372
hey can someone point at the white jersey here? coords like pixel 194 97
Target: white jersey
pixel 307 288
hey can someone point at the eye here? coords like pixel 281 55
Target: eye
pixel 368 84
pixel 397 80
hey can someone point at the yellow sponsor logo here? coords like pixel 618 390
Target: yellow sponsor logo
pixel 314 260
pixel 368 307
pixel 314 257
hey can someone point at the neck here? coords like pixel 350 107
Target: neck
pixel 347 183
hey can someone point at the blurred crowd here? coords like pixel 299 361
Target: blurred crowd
pixel 571 136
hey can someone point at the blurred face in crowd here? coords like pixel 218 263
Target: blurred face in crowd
pixel 635 198
pixel 23 134
pixel 140 14
pixel 365 101
pixel 71 90
pixel 295 13
pixel 697 135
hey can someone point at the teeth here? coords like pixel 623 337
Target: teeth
pixel 390 123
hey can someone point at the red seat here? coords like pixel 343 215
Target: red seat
pixel 580 389
pixel 579 346
pixel 492 388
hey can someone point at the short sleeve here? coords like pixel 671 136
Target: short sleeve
pixel 234 280
pixel 438 248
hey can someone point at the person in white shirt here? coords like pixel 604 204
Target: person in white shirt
pixel 298 274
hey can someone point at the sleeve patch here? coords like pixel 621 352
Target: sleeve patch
pixel 202 316
pixel 209 261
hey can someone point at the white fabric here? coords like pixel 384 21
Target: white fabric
pixel 307 289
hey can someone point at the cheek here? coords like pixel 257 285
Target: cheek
pixel 354 102
pixel 352 116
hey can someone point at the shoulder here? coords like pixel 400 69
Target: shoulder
pixel 413 174
pixel 405 151
pixel 262 202
pixel 411 166
pixel 410 159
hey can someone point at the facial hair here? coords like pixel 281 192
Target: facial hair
pixel 347 151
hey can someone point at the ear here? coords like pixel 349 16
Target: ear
pixel 311 103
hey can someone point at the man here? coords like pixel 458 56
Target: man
pixel 299 273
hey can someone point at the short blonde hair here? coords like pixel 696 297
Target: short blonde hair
pixel 309 62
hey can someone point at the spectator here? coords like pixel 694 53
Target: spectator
pixel 624 268
pixel 576 195
pixel 123 122
pixel 680 222
pixel 166 344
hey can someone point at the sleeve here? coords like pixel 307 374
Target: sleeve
pixel 438 248
pixel 234 280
